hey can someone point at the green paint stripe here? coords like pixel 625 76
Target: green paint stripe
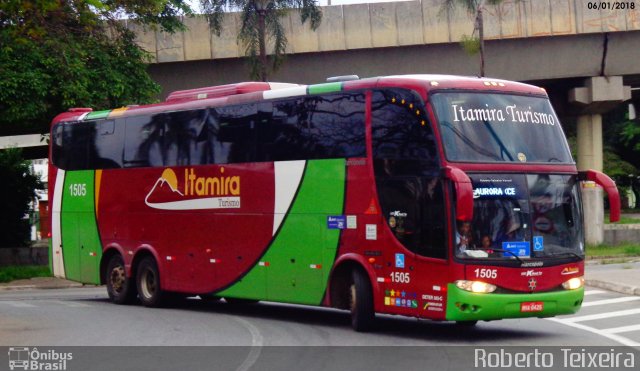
pixel 499 306
pixel 302 241
pixel 325 88
pixel 97 115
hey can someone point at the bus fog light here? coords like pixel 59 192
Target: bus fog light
pixel 574 283
pixel 476 286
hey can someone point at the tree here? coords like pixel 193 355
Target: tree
pixel 260 22
pixel 17 190
pixel 57 54
pixel 475 8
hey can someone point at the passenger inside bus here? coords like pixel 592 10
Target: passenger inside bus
pixel 463 237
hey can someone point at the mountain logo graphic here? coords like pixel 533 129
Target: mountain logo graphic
pixel 197 193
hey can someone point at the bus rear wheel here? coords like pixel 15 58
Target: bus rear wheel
pixel 121 289
pixel 361 302
pixel 148 283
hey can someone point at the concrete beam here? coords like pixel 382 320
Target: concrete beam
pixel 23 141
pixel 600 94
pixel 394 24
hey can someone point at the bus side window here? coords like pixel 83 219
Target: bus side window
pixel 336 125
pixel 316 127
pixel 79 141
pixel 108 144
pixel 143 140
pixel 231 133
pixel 58 155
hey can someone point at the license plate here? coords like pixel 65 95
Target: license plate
pixel 532 306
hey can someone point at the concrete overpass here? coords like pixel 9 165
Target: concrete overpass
pixel 530 40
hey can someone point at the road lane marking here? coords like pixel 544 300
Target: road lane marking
pixel 594 292
pixel 20 304
pixel 71 304
pixel 592 317
pixel 614 337
pixel 256 344
pixel 610 301
pixel 616 330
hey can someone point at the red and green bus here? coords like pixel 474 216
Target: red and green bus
pixel 430 196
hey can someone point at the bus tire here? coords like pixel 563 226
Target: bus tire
pixel 210 298
pixel 361 302
pixel 120 288
pixel 238 301
pixel 466 323
pixel 148 283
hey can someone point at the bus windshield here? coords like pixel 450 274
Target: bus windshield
pixel 481 127
pixel 519 216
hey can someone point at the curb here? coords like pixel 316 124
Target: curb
pixel 41 287
pixel 623 289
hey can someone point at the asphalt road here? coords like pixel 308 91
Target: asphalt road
pixel 84 316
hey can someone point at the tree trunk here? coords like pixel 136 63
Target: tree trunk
pixel 481 37
pixel 263 46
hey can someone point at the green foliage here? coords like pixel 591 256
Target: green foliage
pixel 630 134
pixel 616 167
pixel 623 219
pixel 625 249
pixel 8 274
pixel 55 55
pixel 261 25
pixel 17 190
pixel 470 44
pixel 613 164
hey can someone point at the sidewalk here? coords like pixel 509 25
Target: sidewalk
pixel 623 278
pixel 39 283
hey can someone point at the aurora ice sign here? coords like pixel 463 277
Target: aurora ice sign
pixel 506 114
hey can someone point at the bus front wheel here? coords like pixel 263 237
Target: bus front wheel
pixel 148 283
pixel 121 289
pixel 361 302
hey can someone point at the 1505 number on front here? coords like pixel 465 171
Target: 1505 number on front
pixel 486 273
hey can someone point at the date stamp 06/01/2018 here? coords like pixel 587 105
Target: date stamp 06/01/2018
pixel 611 5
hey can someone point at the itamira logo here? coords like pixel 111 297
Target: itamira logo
pixel 197 193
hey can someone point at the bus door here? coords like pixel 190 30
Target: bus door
pixel 81 243
pixel 414 208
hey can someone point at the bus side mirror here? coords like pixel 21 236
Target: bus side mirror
pixel 464 192
pixel 609 186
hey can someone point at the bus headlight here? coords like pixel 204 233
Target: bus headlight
pixel 477 287
pixel 574 283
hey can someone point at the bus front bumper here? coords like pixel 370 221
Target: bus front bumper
pixel 467 306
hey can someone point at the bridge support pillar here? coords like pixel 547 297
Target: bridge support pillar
pixel 599 95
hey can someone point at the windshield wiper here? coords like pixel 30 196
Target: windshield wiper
pixel 565 253
pixel 503 148
pixel 500 250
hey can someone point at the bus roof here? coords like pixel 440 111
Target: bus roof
pixel 257 91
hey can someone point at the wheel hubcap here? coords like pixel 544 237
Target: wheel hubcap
pixel 118 278
pixel 149 284
pixel 352 298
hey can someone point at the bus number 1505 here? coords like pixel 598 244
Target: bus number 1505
pixel 486 273
pixel 78 189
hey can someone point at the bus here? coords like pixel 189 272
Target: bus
pixel 431 196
